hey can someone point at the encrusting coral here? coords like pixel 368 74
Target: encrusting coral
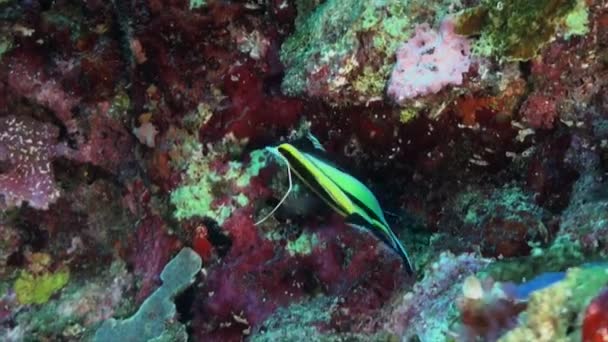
pixel 150 321
pixel 133 130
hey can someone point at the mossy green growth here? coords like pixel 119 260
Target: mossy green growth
pixel 577 21
pixel 303 245
pixel 326 32
pixel 513 29
pixel 38 289
pixel 553 313
pixel 202 186
pixel 330 36
pixel 120 105
pixel 197 3
pixel 407 114
pixel 478 205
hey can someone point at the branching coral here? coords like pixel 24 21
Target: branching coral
pixel 150 321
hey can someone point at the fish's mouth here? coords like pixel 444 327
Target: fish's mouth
pixel 274 151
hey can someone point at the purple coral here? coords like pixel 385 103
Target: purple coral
pixel 424 310
pixel 26 78
pixel 27 146
pixel 429 61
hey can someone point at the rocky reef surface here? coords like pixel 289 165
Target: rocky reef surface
pixel 133 169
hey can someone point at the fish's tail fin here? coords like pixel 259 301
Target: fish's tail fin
pixel 398 247
pixel 385 234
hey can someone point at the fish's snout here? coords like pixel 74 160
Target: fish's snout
pixel 273 150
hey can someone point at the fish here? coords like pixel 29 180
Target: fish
pixel 345 194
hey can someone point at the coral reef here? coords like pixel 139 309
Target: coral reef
pixel 428 62
pixel 38 289
pixel 503 223
pixel 515 29
pixel 487 310
pixel 342 51
pixel 426 311
pixel 133 130
pixel 549 315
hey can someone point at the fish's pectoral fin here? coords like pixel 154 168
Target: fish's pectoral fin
pixel 357 221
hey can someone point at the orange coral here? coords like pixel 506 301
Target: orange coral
pixel 468 107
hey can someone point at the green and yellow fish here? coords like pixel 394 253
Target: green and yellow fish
pixel 342 192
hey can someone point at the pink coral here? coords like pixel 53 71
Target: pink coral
pixel 428 62
pixel 28 146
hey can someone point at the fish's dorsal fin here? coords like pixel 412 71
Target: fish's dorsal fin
pixel 308 143
pixel 315 142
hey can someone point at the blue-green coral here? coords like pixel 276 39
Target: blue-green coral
pixel 201 185
pixel 151 321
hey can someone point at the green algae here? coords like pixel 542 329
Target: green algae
pixel 303 245
pixel 561 255
pixel 476 208
pixel 300 321
pixel 577 21
pixel 513 29
pixel 82 304
pixel 203 185
pixel 38 289
pixel 325 32
pixel 407 114
pixel 120 105
pixel 194 4
pixel 6 44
